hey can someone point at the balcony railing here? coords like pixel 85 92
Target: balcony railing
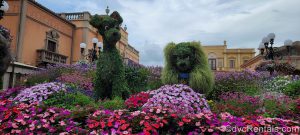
pixel 76 16
pixel 44 56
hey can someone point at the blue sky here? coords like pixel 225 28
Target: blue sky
pixel 153 23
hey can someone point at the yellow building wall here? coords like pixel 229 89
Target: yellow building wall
pixel 224 55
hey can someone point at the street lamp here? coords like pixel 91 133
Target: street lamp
pixel 94 52
pixel 82 47
pixel 3 8
pixel 261 48
pixel 100 47
pixel 270 52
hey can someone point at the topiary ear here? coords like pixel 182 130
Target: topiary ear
pixel 168 52
pixel 117 16
pixel 96 21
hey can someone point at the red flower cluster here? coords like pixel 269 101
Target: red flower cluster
pixel 160 121
pixel 136 101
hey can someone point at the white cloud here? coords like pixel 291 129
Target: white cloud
pixel 241 22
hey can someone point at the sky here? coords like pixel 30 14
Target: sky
pixel 154 23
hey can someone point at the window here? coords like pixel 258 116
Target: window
pixel 220 63
pixel 52 41
pixel 51 46
pixel 232 63
pixel 213 64
pixel 245 61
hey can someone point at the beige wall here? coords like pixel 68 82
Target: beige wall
pixel 223 55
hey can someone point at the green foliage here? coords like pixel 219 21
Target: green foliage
pixel 187 57
pixel 69 100
pixel 110 74
pixel 38 79
pixel 274 107
pixel 292 89
pixel 154 84
pixel 114 104
pixel 137 78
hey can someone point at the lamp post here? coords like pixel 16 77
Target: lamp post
pixel 270 52
pixel 92 55
pixel 94 52
pixel 100 47
pixel 82 49
pixel 3 8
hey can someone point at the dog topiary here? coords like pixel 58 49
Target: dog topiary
pixel 186 63
pixel 110 75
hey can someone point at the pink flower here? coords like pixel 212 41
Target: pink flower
pixel 180 123
pixel 16 131
pixel 62 123
pixel 199 115
pixel 210 130
pixel 14 125
pixel 198 124
pixel 223 128
pixel 64 133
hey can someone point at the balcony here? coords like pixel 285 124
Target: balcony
pixel 76 16
pixel 44 56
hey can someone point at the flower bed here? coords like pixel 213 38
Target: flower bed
pixel 179 98
pixel 26 119
pixel 39 92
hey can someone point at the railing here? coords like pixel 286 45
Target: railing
pixel 50 57
pixel 76 16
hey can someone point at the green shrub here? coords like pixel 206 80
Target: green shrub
pixel 154 84
pixel 114 104
pixel 293 89
pixel 273 108
pixel 137 78
pixel 69 100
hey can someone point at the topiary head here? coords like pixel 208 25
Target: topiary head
pixel 108 26
pixel 183 58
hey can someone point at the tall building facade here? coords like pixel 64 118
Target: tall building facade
pixel 220 58
pixel 41 36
